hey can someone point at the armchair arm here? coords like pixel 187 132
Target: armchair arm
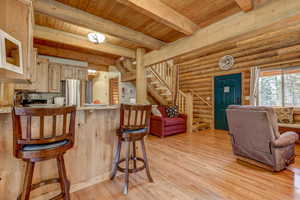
pixel 286 139
pixel 154 117
pixel 184 116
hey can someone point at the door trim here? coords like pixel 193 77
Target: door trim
pixel 213 93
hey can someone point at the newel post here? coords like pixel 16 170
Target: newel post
pixel 189 112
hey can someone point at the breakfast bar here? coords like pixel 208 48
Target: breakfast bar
pixel 87 163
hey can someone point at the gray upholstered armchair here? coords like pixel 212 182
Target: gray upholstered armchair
pixel 255 136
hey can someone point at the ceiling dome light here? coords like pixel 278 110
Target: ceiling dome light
pixel 96 38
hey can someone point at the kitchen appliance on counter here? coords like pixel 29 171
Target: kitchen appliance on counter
pixel 30 99
pixel 59 101
pixel 27 99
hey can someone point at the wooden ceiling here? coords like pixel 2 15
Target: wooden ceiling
pixel 200 12
pixel 51 22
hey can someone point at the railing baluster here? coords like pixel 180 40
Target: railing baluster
pixel 28 132
pixel 65 124
pixel 54 126
pixel 42 123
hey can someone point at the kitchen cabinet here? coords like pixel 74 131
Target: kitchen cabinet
pixel 54 77
pixel 82 74
pixel 42 70
pixel 68 72
pixel 71 72
pixel 32 75
pixel 16 20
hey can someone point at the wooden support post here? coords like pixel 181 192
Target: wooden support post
pixel 141 79
pixel 189 112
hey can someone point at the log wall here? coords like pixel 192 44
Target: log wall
pixel 270 49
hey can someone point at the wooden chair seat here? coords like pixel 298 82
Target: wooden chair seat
pixel 39 147
pixel 132 131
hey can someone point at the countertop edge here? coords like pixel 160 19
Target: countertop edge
pixel 7 110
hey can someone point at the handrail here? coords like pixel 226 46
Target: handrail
pixel 165 70
pixel 201 98
pixel 159 78
pixel 182 93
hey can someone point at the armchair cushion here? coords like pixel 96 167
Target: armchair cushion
pixel 173 121
pixel 286 139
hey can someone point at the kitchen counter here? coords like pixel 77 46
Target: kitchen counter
pixel 7 110
pixel 99 107
pixel 88 162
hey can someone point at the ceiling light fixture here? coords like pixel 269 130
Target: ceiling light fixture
pixel 96 38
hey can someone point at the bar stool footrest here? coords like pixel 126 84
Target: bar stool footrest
pixel 132 170
pixel 43 183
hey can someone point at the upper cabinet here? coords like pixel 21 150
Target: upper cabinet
pixel 54 77
pixel 82 74
pixel 71 72
pixel 16 40
pixel 68 72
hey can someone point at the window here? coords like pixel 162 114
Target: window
pixel 280 87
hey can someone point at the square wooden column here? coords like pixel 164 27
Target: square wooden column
pixel 141 79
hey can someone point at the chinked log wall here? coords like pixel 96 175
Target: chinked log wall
pixel 275 48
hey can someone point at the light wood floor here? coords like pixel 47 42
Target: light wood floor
pixel 199 167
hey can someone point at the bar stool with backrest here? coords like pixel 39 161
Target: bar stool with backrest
pixel 43 147
pixel 134 126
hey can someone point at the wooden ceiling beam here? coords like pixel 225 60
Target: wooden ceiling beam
pixel 98 67
pixel 49 34
pixel 245 5
pixel 84 19
pixel 162 13
pixel 234 27
pixel 74 55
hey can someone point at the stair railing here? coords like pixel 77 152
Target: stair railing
pixel 201 98
pixel 185 105
pixel 168 75
pixel 166 71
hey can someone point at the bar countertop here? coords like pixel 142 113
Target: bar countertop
pixel 7 110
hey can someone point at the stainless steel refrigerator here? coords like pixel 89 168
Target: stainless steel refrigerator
pixel 72 92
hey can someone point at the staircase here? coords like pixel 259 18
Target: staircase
pixel 161 82
pixel 198 104
pixel 162 86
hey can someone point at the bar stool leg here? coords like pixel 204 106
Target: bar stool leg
pixel 116 160
pixel 127 146
pixel 146 160
pixel 28 180
pixel 64 183
pixel 134 154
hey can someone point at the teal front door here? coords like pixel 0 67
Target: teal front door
pixel 228 91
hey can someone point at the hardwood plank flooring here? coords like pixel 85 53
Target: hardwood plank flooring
pixel 199 166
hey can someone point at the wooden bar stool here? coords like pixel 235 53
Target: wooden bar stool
pixel 34 148
pixel 134 126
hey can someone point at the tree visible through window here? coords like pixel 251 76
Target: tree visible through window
pixel 280 87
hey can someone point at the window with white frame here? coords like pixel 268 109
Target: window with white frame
pixel 280 87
